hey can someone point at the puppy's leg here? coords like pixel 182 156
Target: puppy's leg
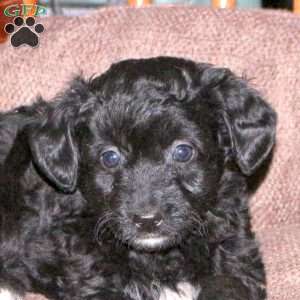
pixel 223 288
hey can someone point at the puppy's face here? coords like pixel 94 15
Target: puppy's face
pixel 152 168
pixel 146 144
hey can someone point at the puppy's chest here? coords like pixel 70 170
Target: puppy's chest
pixel 184 291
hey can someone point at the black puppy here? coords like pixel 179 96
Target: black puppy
pixel 133 185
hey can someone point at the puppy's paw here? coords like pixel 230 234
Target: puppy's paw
pixel 6 294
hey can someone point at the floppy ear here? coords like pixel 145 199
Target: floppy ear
pixel 250 121
pixel 51 140
pixel 55 154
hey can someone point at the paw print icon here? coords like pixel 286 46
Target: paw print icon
pixel 24 31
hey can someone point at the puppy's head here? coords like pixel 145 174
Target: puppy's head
pixel 147 143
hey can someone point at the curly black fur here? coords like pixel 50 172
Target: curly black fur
pixel 68 223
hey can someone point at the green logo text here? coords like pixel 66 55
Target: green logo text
pixel 24 10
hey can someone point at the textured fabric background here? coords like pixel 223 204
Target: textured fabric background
pixel 262 45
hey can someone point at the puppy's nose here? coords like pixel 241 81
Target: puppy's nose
pixel 148 222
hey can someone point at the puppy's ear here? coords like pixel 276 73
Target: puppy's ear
pixel 52 140
pixel 55 154
pixel 250 121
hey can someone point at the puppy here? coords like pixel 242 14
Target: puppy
pixel 133 186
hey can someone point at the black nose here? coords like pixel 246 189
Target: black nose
pixel 147 222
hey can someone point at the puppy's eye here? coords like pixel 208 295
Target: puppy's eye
pixel 183 153
pixel 110 158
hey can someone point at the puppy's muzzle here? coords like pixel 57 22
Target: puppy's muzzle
pixel 148 222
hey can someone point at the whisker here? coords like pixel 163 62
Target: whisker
pixel 200 224
pixel 102 225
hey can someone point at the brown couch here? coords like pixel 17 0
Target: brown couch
pixel 262 45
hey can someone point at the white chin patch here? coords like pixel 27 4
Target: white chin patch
pixel 150 242
pixel 8 295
